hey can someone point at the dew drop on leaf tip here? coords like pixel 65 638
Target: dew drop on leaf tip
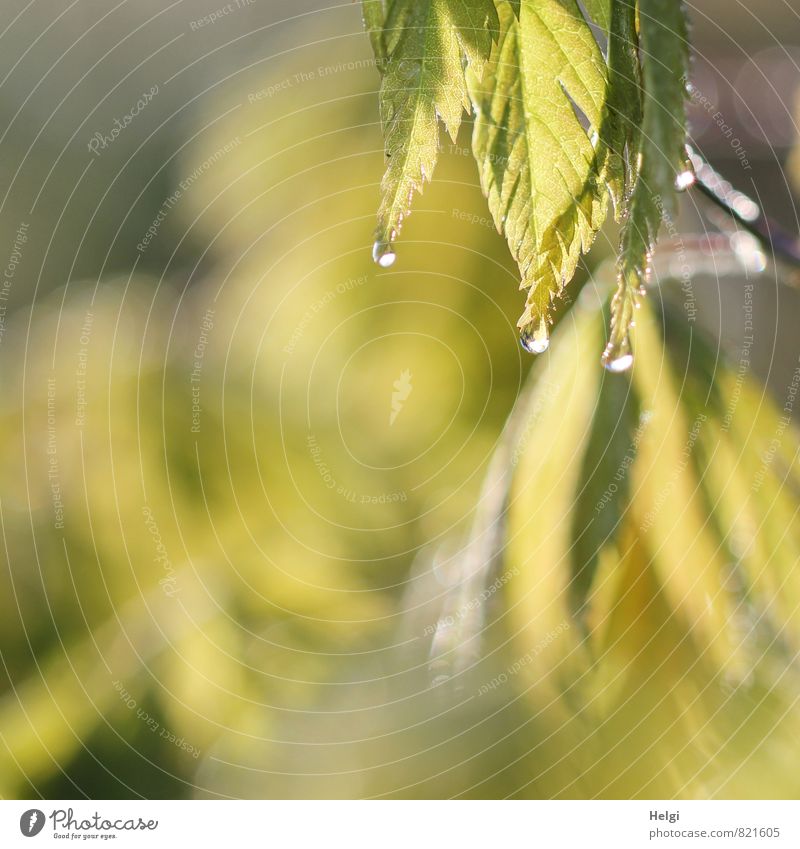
pixel 687 177
pixel 383 253
pixel 535 337
pixel 618 356
pixel 619 364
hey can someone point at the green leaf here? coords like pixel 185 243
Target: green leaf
pixel 662 158
pixel 423 81
pixel 476 24
pixel 538 167
pixel 602 500
pixel 600 11
pixel 374 14
pixel 623 109
pixel 665 66
pixel 558 128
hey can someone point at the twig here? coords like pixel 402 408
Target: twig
pixel 749 214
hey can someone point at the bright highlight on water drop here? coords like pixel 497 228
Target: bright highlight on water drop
pixel 685 179
pixel 618 355
pixel 383 254
pixel 620 364
pixel 535 338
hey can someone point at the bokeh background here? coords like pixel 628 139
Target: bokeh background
pixel 254 541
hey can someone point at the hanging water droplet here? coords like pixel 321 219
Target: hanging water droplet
pixel 686 177
pixel 684 180
pixel 619 364
pixel 383 253
pixel 535 337
pixel 618 355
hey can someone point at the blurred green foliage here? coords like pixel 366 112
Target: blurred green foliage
pixel 244 600
pixel 219 568
pixel 675 674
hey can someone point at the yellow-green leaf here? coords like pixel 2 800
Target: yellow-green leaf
pixel 539 167
pixel 422 48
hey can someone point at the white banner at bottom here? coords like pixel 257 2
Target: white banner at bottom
pixel 402 824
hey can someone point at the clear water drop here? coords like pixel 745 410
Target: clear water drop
pixel 535 337
pixel 684 180
pixel 383 254
pixel 687 177
pixel 618 355
pixel 619 364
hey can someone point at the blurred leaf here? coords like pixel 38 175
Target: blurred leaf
pixel 679 623
pixel 281 301
pixel 602 500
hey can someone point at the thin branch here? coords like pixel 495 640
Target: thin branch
pixel 742 208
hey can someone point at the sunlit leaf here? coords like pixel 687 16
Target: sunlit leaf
pixel 559 126
pixel 422 49
pixel 538 166
pixel 661 158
